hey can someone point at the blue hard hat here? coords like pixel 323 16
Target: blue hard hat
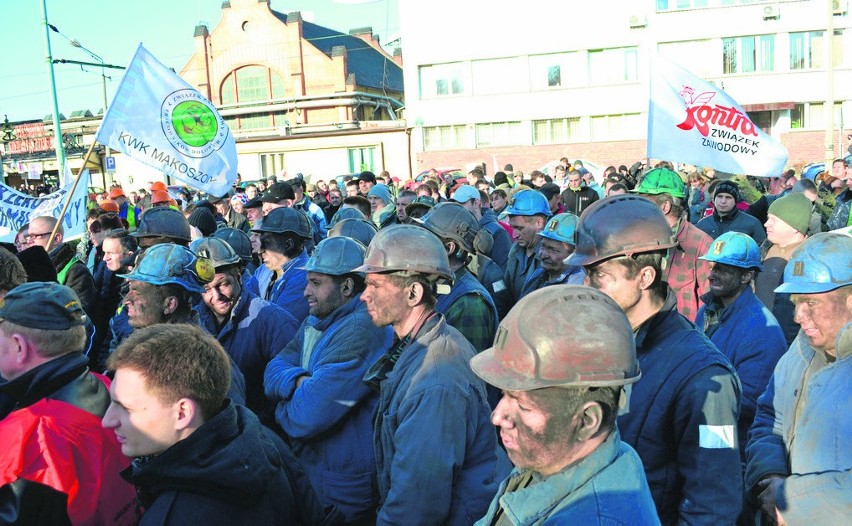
pixel 735 249
pixel 336 256
pixel 561 227
pixel 169 263
pixel 528 203
pixel 820 264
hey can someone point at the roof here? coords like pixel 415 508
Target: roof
pixel 372 69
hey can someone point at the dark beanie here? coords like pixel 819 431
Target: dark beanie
pixel 728 187
pixel 38 264
pixel 500 178
pixel 794 209
pixel 203 220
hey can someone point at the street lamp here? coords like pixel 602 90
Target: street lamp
pixel 7 137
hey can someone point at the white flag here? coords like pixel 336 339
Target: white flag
pixel 692 121
pixel 161 121
pixel 17 209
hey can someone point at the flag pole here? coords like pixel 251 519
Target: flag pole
pixel 71 193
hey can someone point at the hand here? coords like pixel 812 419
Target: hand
pixel 768 489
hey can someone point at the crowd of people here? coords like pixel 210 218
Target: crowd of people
pixel 655 346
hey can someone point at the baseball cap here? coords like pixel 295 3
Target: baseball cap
pixel 42 305
pixel 465 193
pixel 277 193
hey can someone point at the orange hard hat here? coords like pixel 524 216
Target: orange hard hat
pixel 160 196
pixel 158 186
pixel 116 191
pixel 108 205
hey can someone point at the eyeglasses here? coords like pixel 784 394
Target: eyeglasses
pixel 36 236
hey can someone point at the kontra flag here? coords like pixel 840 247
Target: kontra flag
pixel 692 121
pixel 161 121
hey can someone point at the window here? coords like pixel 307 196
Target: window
pixel 498 134
pixel 361 159
pixel 613 66
pixel 672 5
pixel 812 115
pixel 557 70
pixel 252 84
pixel 617 127
pixel 271 164
pixel 557 131
pixel 445 138
pixel 444 80
pixel 748 54
pixel 807 49
pixel 504 75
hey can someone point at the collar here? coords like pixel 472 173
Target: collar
pixel 45 379
pixel 669 305
pixel 727 218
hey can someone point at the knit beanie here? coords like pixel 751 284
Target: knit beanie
pixel 203 220
pixel 37 263
pixel 794 209
pixel 728 187
pixel 382 192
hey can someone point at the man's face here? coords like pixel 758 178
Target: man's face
pixel 724 203
pixel 271 257
pixel 322 186
pixel 725 281
pixel 552 253
pixel 525 229
pixel 268 207
pixel 254 237
pixel 351 190
pixel 838 169
pixel 376 203
pixel 821 316
pixel 222 206
pixel 498 202
pixel 575 181
pixel 254 213
pixel 261 186
pixel 39 233
pixel 385 301
pixel 780 233
pixel 364 186
pixel 611 278
pixel 588 179
pixel 251 192
pixel 334 197
pixel 221 294
pixel 142 423
pixel 113 254
pixel 401 203
pixel 144 305
pixel 324 294
pixel 527 433
pixel 483 186
pixel 538 181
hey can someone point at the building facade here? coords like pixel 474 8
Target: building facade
pixel 529 83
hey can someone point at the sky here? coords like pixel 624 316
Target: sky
pixel 112 29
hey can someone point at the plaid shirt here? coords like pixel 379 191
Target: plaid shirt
pixel 473 317
pixel 685 273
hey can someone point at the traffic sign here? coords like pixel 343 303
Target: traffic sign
pixel 110 163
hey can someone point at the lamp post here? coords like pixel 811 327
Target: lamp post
pixel 57 130
pixel 7 137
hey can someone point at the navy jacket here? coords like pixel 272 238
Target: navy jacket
pixel 288 290
pixel 750 337
pixel 229 471
pixel 329 417
pixel 255 333
pixel 499 252
pixel 682 421
pixel 737 221
pixel 436 449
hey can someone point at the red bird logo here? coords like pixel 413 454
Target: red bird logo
pixel 689 97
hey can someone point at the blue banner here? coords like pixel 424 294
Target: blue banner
pixel 16 209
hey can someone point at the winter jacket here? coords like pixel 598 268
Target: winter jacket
pixel 750 337
pixel 317 217
pixel 737 221
pixel 541 278
pixel 606 487
pixel 238 221
pixel 699 200
pixel 519 268
pixel 685 273
pixel 73 273
pixel 255 333
pixel 801 432
pixel 228 471
pixel 59 464
pixel 840 215
pixel 682 421
pixel 329 417
pixel 499 252
pixel 436 450
pixel 288 290
pixel 578 200
pixel 469 308
pixel 778 302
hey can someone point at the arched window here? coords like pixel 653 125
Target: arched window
pixel 251 84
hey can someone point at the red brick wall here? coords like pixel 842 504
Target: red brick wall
pixel 803 146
